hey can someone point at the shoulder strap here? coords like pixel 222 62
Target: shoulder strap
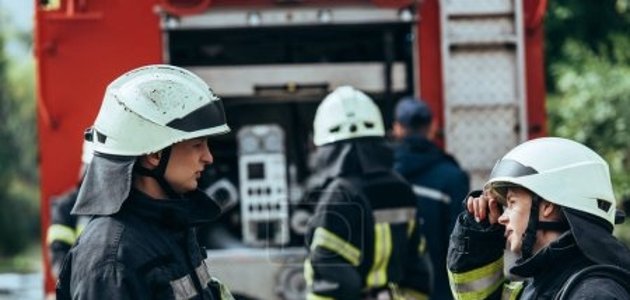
pixel 615 273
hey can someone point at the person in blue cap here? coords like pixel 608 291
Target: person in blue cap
pixel 437 180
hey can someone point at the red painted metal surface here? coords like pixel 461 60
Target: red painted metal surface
pixel 535 69
pixel 80 48
pixel 185 7
pixel 430 60
pixel 268 3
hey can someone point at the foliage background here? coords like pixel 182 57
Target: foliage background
pixel 588 83
pixel 19 191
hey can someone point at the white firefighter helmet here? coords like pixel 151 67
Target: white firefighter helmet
pixel 87 153
pixel 560 171
pixel 346 113
pixel 152 107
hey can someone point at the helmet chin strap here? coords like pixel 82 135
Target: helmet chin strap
pixel 529 237
pixel 158 173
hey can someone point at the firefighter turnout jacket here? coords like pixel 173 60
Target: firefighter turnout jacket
pixel 439 183
pixel 147 250
pixel 364 238
pixel 476 267
pixel 64 228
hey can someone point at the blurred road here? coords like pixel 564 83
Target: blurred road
pixel 15 286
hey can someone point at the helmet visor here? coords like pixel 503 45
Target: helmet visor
pixel 208 116
pixel 511 168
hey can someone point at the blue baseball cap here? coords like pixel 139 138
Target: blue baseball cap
pixel 412 112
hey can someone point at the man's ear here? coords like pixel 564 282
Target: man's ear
pixel 398 130
pixel 151 161
pixel 549 210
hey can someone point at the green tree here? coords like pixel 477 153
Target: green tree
pixel 592 105
pixel 19 217
pixel 593 24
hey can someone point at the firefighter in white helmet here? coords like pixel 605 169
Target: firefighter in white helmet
pixel 363 240
pixel 549 203
pixel 150 143
pixel 64 228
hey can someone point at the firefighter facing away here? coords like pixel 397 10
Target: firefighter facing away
pixel 65 228
pixel 363 240
pixel 436 178
pixel 549 202
pixel 150 145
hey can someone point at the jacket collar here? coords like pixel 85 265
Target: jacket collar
pixel 192 210
pixel 552 257
pixel 354 157
pixel 417 154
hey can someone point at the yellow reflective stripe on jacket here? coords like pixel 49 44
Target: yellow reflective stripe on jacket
pixel 410 227
pixel 422 246
pixel 308 277
pixel 409 294
pixel 313 296
pixel 382 251
pixel 224 291
pixel 62 233
pixel 330 241
pixel 478 283
pixel 512 290
pixel 308 272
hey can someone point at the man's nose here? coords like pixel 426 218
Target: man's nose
pixel 207 157
pixel 503 219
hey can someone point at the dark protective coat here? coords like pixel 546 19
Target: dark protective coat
pixel 62 232
pixel 147 250
pixel 475 265
pixel 365 221
pixel 439 184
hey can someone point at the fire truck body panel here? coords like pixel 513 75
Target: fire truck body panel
pixel 273 61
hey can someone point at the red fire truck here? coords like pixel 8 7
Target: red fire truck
pixel 478 64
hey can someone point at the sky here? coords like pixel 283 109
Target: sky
pixel 20 14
